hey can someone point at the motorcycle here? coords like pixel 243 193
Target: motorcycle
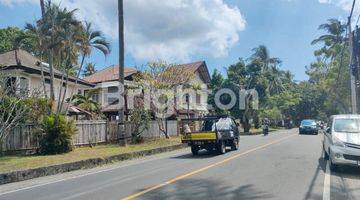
pixel 265 128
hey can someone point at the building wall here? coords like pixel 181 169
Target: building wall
pixel 198 98
pixel 35 85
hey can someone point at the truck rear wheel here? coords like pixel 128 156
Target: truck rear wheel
pixel 195 150
pixel 235 144
pixel 221 147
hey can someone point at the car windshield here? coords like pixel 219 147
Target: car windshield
pixel 308 123
pixel 347 125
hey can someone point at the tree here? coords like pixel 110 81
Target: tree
pixel 52 28
pixel 157 78
pixel 14 105
pixel 328 75
pixel 261 54
pixel 86 103
pixel 9 40
pixel 335 30
pixel 217 82
pixel 42 7
pixel 61 39
pixel 89 70
pixel 140 121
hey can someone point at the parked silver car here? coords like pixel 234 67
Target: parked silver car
pixel 342 140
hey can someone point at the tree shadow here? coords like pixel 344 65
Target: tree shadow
pixel 203 154
pixel 206 189
pixel 310 194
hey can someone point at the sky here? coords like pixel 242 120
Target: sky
pixel 183 31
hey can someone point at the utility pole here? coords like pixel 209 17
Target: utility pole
pixel 352 70
pixel 353 67
pixel 356 59
pixel 121 125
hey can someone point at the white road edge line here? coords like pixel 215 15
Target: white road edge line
pixel 326 192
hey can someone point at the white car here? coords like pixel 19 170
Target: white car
pixel 341 142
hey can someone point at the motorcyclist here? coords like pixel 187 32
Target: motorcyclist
pixel 265 125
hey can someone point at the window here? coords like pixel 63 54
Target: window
pixel 113 89
pixel 11 85
pixel 113 100
pixel 24 86
pixel 198 98
pixel 95 97
pixel 347 125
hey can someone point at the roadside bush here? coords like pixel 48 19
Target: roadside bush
pixel 140 121
pixel 56 134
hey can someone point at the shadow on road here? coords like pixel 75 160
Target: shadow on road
pixel 310 194
pixel 345 183
pixel 206 189
pixel 203 154
pixel 352 172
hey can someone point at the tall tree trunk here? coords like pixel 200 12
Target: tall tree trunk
pixel 76 82
pixel 52 76
pixel 42 6
pixel 121 67
pixel 64 95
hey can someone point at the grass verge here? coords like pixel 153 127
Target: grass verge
pixel 17 163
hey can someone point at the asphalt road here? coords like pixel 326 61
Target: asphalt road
pixel 283 165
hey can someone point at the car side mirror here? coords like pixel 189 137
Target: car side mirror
pixel 328 130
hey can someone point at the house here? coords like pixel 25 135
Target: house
pixel 198 102
pixel 107 81
pixel 24 70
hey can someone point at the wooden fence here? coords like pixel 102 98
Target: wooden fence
pixel 88 132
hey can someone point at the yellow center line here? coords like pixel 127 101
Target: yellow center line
pixel 203 169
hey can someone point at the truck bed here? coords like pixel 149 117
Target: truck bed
pixel 199 136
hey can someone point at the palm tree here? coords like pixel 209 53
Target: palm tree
pixel 262 55
pixel 89 69
pixel 53 25
pixel 92 39
pixel 89 40
pixel 335 30
pixel 86 103
pixel 42 6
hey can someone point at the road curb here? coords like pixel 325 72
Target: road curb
pixel 17 176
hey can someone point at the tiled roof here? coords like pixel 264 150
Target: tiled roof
pixel 109 74
pixel 199 66
pixel 112 73
pixel 21 58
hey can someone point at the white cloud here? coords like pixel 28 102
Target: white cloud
pixel 170 30
pixel 344 4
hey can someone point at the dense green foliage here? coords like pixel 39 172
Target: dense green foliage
pixel 64 42
pixel 89 69
pixel 56 134
pixel 276 89
pixel 87 104
pixel 280 97
pixel 140 121
pixel 11 39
